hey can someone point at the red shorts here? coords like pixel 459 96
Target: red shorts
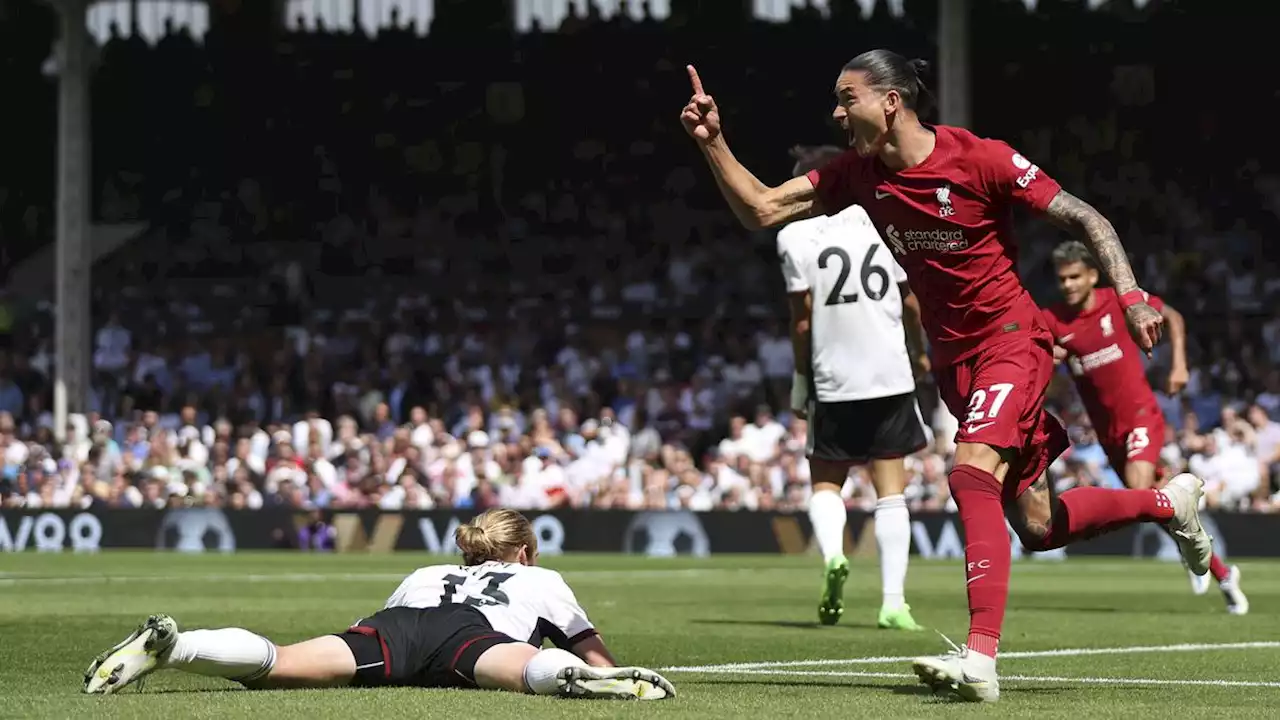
pixel 998 396
pixel 1136 440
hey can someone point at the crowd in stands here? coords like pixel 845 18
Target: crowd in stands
pixel 366 284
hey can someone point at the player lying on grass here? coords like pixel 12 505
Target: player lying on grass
pixel 1108 373
pixel 480 624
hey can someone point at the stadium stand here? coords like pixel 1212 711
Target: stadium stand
pixel 472 267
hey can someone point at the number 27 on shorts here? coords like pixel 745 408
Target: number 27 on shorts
pixel 985 405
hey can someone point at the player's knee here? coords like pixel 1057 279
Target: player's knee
pixel 826 475
pixel 1033 536
pixel 539 670
pixel 1033 518
pixel 978 455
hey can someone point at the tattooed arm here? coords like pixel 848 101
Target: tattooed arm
pixel 1084 221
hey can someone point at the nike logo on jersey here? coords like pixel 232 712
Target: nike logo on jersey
pixel 975 428
pixel 1066 338
pixel 880 195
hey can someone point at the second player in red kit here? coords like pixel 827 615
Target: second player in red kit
pixel 1107 368
pixel 942 199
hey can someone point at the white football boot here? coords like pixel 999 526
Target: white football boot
pixel 961 673
pixel 133 658
pixel 1185 492
pixel 1237 603
pixel 624 683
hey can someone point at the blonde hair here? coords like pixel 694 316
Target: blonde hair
pixel 495 535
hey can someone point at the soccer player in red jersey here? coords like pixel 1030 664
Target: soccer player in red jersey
pixel 942 197
pixel 1109 376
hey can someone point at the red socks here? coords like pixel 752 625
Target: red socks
pixel 1082 513
pixel 986 554
pixel 1218 569
pixel 1086 512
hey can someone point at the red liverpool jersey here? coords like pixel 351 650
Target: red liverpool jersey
pixel 1105 362
pixel 948 221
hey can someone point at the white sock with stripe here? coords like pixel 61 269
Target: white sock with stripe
pixel 231 653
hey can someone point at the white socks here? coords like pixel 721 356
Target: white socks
pixel 893 537
pixel 540 673
pixel 230 653
pixel 827 514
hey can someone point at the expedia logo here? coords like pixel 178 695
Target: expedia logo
pixel 943 241
pixel 1031 170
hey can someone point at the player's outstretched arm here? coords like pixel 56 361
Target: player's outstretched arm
pixel 1083 220
pixel 755 204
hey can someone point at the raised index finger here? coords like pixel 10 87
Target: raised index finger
pixel 693 78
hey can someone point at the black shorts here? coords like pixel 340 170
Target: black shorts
pixel 859 431
pixel 421 647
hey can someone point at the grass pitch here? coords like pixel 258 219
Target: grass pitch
pixel 737 635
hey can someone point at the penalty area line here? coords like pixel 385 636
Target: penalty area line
pixel 1016 678
pixel 1068 652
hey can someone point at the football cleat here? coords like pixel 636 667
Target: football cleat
pixel 133 658
pixel 1237 603
pixel 898 618
pixel 831 604
pixel 960 674
pixel 1185 492
pixel 621 683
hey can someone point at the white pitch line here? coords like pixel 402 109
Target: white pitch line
pixel 1021 678
pixel 1069 652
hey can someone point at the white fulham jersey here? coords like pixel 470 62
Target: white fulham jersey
pixel 527 603
pixel 859 350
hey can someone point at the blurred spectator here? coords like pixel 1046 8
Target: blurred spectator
pixel 366 288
